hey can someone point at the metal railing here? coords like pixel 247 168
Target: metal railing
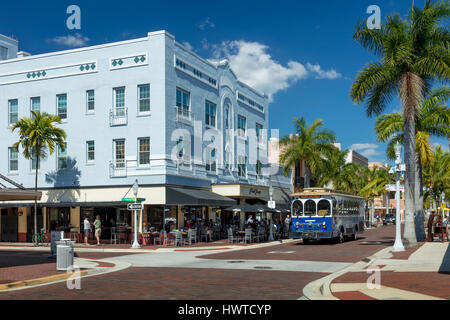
pixel 184 115
pixel 118 169
pixel 118 116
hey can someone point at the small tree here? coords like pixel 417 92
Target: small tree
pixel 37 135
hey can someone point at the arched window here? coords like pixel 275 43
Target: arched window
pixel 297 208
pixel 310 208
pixel 324 208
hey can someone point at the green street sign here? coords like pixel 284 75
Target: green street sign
pixel 132 200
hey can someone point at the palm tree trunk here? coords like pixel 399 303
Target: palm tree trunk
pixel 307 176
pixel 410 94
pixel 372 211
pixel 35 199
pixel 418 189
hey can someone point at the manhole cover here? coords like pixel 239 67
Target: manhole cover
pixel 262 267
pixel 236 261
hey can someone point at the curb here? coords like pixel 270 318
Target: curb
pixel 320 289
pixel 38 281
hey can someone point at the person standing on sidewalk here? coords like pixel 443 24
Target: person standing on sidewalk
pixel 87 230
pixel 98 229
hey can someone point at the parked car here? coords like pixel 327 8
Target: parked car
pixel 389 218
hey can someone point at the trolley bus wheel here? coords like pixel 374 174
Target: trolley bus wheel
pixel 355 235
pixel 341 238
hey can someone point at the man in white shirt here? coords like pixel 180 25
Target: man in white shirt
pixel 87 230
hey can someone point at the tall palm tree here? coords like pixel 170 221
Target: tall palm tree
pixel 412 54
pixel 433 119
pixel 437 176
pixel 372 184
pixel 337 172
pixel 37 135
pixel 310 144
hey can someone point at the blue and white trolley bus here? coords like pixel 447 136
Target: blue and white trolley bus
pixel 319 213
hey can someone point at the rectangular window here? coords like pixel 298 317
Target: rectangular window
pixel 258 167
pixel 90 150
pixel 119 153
pixel 13 111
pixel 61 100
pixel 90 100
pixel 62 157
pixel 211 160
pixel 210 114
pixel 259 133
pixel 183 102
pixel 144 151
pixel 144 98
pixel 35 104
pixel 119 102
pixel 241 125
pixel 13 160
pixel 242 166
pixel 3 53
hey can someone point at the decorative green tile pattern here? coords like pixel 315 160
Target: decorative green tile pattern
pixel 37 74
pixel 87 66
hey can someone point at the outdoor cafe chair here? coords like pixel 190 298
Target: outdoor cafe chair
pixel 192 236
pixel 159 238
pixel 169 239
pixel 179 238
pixel 203 234
pixel 248 235
pixel 231 236
pixel 114 237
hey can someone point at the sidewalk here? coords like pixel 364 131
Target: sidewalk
pixel 420 273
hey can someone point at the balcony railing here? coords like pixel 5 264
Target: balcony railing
pixel 184 115
pixel 118 169
pixel 118 117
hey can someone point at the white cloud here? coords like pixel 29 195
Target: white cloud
pixel 256 67
pixel 71 41
pixel 187 45
pixel 321 74
pixel 362 146
pixel 368 150
pixel 206 24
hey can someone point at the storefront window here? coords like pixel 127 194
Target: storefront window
pixel 59 218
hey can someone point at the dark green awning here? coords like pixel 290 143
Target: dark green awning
pixel 196 197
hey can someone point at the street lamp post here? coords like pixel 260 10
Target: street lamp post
pixel 135 192
pixel 398 245
pixel 271 216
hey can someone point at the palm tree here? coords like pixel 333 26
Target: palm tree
pixel 310 144
pixel 412 54
pixel 372 184
pixel 437 176
pixel 433 119
pixel 336 172
pixel 36 135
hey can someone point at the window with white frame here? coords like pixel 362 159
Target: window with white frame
pixel 144 151
pixel 90 151
pixel 210 114
pixel 13 108
pixel 13 160
pixel 259 133
pixel 62 157
pixel 35 104
pixel 210 159
pixel 242 166
pixel 241 125
pixel 258 167
pixel 119 101
pixel 144 98
pixel 183 102
pixel 90 100
pixel 119 153
pixel 61 102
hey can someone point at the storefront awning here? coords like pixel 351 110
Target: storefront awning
pixel 19 195
pixel 64 204
pixel 195 197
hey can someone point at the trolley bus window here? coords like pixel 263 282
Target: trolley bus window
pixel 324 208
pixel 297 208
pixel 310 208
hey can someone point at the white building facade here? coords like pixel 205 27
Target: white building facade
pixel 146 109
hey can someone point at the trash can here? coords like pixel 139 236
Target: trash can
pixel 64 257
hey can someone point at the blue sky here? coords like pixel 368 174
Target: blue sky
pixel 303 50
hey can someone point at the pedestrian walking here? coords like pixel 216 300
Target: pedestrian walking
pixel 87 230
pixel 98 229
